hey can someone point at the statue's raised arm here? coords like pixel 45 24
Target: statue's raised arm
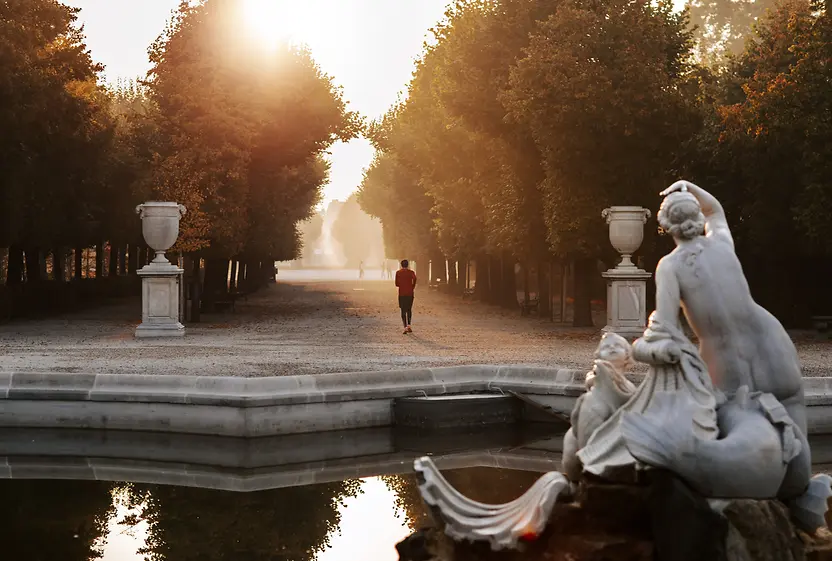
pixel 716 225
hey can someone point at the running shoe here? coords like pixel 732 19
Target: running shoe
pixel 408 329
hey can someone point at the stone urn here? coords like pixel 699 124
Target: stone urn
pixel 160 227
pixel 626 230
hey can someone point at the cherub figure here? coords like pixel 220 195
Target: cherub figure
pixel 607 390
pixel 616 350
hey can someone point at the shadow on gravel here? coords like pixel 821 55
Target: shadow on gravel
pixel 284 301
pixel 427 343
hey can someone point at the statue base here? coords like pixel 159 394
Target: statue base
pixel 661 519
pixel 626 301
pixel 160 301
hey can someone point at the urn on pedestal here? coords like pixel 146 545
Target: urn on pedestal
pixel 160 279
pixel 626 283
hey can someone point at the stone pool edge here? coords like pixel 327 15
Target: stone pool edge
pixel 253 407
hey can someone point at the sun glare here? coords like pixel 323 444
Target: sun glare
pixel 271 21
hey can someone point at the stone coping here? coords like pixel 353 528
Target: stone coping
pixel 318 388
pixel 288 390
pixel 190 475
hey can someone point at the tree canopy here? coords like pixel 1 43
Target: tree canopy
pixel 244 132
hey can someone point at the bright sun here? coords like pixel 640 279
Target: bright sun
pixel 272 21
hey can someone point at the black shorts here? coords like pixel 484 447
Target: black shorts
pixel 405 302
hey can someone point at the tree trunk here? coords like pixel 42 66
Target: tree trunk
pixel 142 256
pixel 543 292
pixel 466 274
pixel 564 279
pixel 33 268
pixel 58 265
pixel 421 267
pixel 122 260
pixel 79 263
pixel 99 260
pixel 453 282
pixel 481 271
pixel 216 276
pixel 112 270
pixel 494 285
pixel 196 290
pixel 132 259
pixel 508 296
pixel 584 271
pixel 438 273
pixel 14 273
pixel 232 284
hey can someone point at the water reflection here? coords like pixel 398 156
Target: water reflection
pixel 49 520
pixel 483 484
pixel 54 520
pixel 189 524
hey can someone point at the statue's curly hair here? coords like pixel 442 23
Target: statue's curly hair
pixel 681 216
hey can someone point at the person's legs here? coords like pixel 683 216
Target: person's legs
pixel 409 310
pixel 403 308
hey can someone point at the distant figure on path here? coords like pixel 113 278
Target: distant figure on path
pixel 406 281
pixel 361 270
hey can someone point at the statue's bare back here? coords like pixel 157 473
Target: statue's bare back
pixel 740 341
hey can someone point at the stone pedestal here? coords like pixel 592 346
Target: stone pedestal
pixel 626 301
pixel 160 301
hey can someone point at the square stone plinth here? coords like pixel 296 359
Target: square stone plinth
pixel 626 301
pixel 160 302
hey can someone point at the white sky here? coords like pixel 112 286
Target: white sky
pixel 368 46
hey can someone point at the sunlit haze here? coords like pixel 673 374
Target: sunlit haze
pixel 367 46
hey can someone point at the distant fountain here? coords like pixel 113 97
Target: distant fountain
pixel 328 251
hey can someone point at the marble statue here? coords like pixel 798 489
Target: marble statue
pixel 607 390
pixel 503 526
pixel 728 417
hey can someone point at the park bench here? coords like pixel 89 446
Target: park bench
pixel 821 323
pixel 528 307
pixel 467 293
pixel 223 300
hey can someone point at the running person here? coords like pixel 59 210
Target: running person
pixel 406 281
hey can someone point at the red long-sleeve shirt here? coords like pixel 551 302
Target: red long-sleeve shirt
pixel 406 281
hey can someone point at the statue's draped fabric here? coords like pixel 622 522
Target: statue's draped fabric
pixel 606 450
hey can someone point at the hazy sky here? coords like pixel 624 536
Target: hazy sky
pixel 368 46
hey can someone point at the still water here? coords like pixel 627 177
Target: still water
pixel 72 495
pixel 358 519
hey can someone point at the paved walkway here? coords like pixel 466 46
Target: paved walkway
pixel 305 327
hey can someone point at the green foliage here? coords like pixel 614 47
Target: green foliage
pixel 56 127
pixel 524 119
pixel 244 133
pixel 391 192
pixel 43 519
pixel 602 87
pixel 773 136
pixel 479 173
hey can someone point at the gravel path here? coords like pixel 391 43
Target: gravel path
pixel 305 327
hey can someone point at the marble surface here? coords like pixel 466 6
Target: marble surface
pixel 729 418
pixel 160 301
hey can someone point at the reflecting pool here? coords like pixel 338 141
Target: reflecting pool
pixel 86 495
